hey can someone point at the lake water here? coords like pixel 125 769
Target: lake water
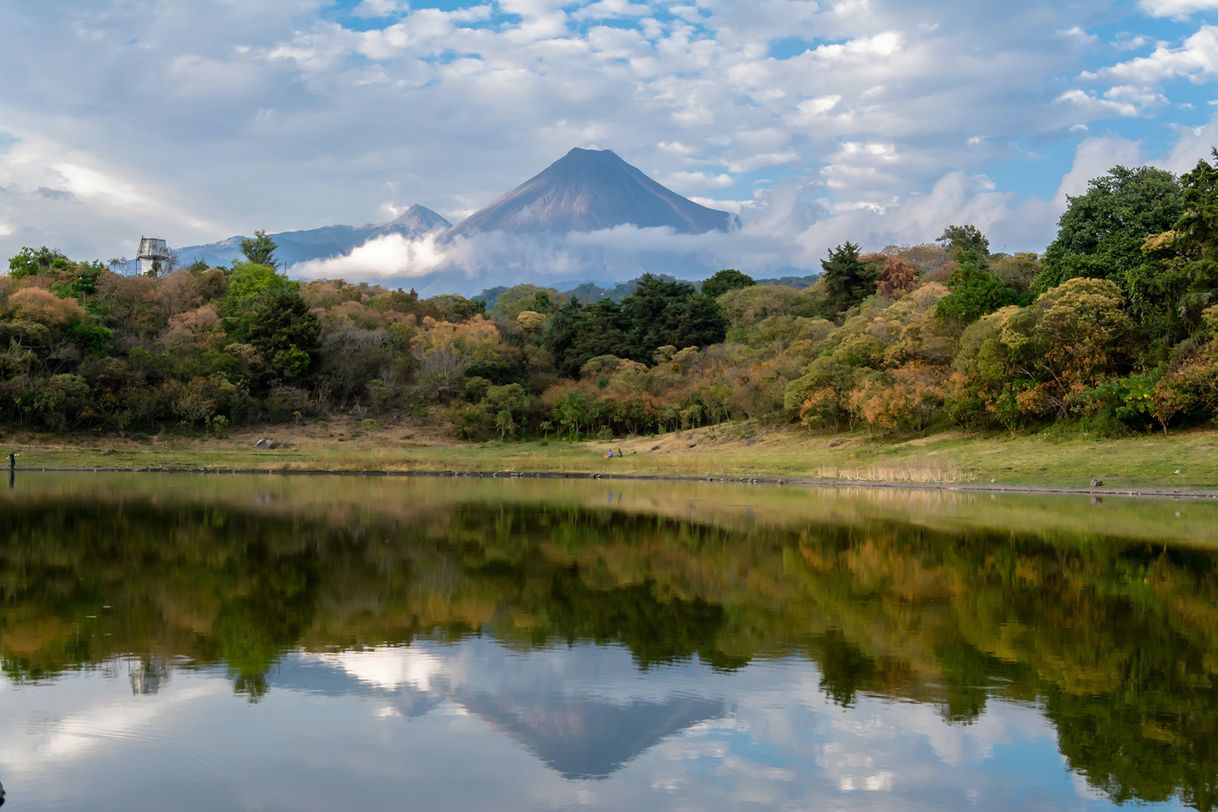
pixel 274 643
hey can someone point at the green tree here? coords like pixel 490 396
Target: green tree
pixel 34 261
pixel 511 302
pixel 665 311
pixel 1198 223
pixel 723 281
pixel 965 242
pixel 1101 232
pixel 286 335
pixel 1179 279
pixel 848 280
pixel 260 249
pixel 578 332
pixel 975 291
pixel 249 283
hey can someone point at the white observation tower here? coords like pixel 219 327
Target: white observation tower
pixel 154 256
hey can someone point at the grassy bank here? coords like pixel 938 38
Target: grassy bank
pixel 731 450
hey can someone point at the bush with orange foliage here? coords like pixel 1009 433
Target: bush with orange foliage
pixel 41 306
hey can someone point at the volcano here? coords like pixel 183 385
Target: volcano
pixel 590 190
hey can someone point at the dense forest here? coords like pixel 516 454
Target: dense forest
pixel 1114 328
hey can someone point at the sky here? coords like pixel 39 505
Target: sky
pixel 818 121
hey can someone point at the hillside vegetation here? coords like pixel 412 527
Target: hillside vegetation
pixel 1113 329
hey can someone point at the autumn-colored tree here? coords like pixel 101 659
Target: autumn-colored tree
pixel 41 306
pixel 896 277
pixel 1070 339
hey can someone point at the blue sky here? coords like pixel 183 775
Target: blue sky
pixel 818 121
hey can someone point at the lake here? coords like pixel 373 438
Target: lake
pixel 296 643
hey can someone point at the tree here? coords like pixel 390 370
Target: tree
pixel 646 312
pixel 696 321
pixel 1019 271
pixel 1044 360
pixel 1198 222
pixel 895 278
pixel 454 307
pixel 511 302
pixel 974 293
pixel 1076 336
pixel 1179 279
pixel 248 284
pixel 665 311
pixel 848 280
pixel 1101 232
pixel 725 280
pixel 34 261
pixel 259 250
pixel 965 242
pixel 287 336
pixel 579 332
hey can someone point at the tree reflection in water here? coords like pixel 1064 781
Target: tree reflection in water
pixel 1116 640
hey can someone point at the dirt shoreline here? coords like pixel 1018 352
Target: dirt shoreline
pixel 813 482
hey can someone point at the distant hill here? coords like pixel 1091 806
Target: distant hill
pixel 318 243
pixel 589 190
pixel 588 292
pixel 797 282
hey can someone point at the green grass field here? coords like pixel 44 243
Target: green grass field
pixel 1184 460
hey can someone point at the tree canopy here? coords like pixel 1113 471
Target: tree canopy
pixel 723 281
pixel 259 249
pixel 847 279
pixel 1102 231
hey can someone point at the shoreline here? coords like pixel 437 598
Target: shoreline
pixel 806 482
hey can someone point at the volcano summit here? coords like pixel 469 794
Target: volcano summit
pixel 590 190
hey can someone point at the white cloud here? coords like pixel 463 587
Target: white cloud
pixel 955 198
pixel 274 115
pixel 391 255
pixel 675 148
pixel 1079 35
pixel 1094 157
pixel 882 44
pixel 1086 104
pixel 764 161
pixel 380 8
pixel 1196 59
pixel 811 109
pixel 698 180
pixel 1192 145
pixel 1176 8
pixel 612 9
pixel 1131 42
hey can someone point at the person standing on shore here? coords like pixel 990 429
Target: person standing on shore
pixel 12 461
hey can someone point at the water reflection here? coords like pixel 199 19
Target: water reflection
pixel 509 649
pixel 579 710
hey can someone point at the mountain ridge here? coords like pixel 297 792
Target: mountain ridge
pixel 302 245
